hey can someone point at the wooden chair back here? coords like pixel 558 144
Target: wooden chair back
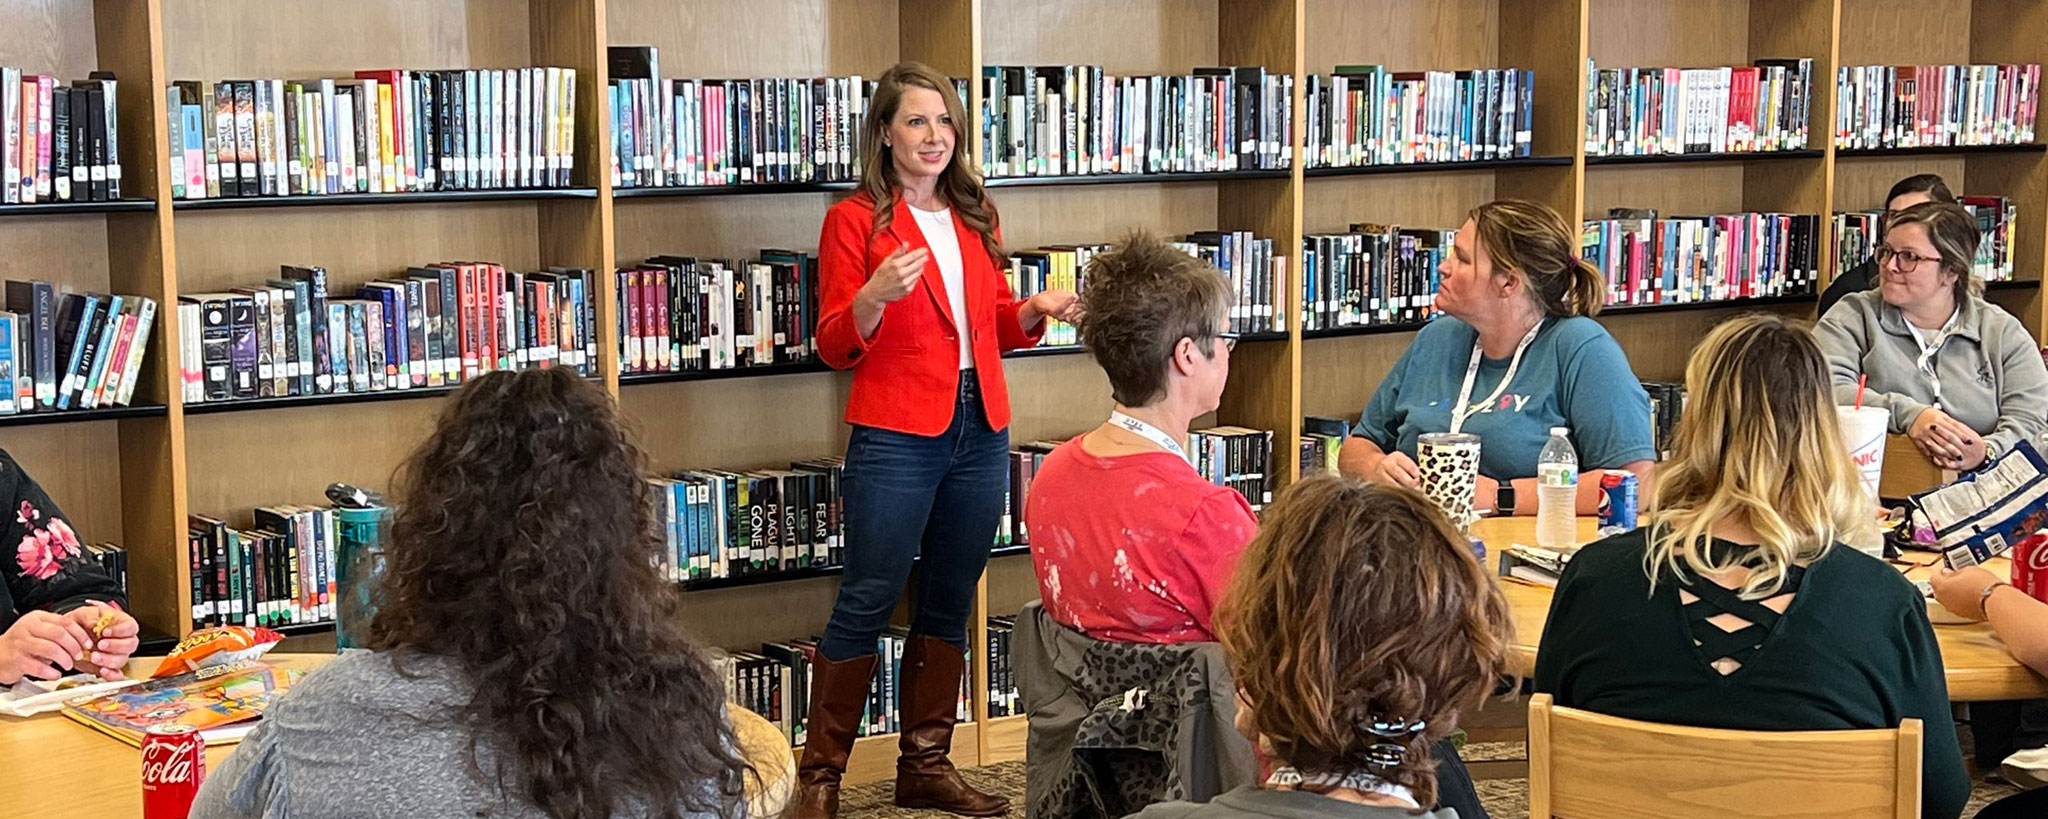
pixel 1584 765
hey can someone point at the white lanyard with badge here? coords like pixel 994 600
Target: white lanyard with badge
pixel 1150 433
pixel 1464 408
pixel 1929 348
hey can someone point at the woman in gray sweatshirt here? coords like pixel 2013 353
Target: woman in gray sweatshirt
pixel 1960 375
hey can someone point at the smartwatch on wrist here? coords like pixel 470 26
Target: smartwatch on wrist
pixel 1504 499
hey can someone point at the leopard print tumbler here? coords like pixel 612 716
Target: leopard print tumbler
pixel 1450 473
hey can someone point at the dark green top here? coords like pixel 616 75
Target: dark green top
pixel 1853 650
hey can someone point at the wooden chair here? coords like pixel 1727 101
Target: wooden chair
pixel 1906 471
pixel 1584 765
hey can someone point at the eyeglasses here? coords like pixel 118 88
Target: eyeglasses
pixel 1229 340
pixel 1908 260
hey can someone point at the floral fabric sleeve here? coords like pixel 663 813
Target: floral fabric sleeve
pixel 50 567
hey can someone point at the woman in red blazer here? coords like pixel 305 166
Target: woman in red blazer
pixel 915 302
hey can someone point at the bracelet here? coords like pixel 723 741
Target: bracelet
pixel 1984 600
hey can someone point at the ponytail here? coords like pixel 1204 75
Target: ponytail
pixel 1529 240
pixel 1588 292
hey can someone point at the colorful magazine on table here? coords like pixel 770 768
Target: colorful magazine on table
pixel 223 702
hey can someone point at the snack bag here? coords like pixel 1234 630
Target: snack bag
pixel 221 645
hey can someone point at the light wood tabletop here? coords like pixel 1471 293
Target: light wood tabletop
pixel 59 769
pixel 1977 664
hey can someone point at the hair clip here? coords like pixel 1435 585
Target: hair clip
pixel 1394 728
pixel 1381 756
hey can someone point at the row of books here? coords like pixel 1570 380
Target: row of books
pixel 685 313
pixel 1076 120
pixel 775 682
pixel 1257 277
pixel 59 142
pixel 1321 439
pixel 1917 106
pixel 733 523
pixel 439 325
pixel 1667 403
pixel 697 132
pixel 279 572
pixel 1371 275
pixel 1856 236
pixel 1003 700
pixel 1648 258
pixel 62 351
pixel 1729 109
pixel 1367 115
pixel 383 131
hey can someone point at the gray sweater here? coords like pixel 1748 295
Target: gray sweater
pixel 357 739
pixel 1991 373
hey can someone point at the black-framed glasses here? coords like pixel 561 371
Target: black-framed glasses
pixel 1229 340
pixel 1908 260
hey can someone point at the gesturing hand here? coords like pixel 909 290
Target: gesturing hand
pixel 42 645
pixel 896 275
pixel 1059 304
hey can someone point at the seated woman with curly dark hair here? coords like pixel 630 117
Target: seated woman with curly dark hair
pixel 526 660
pixel 1358 626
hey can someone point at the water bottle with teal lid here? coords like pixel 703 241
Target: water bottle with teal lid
pixel 362 519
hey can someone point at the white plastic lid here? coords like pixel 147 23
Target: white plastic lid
pixel 1560 430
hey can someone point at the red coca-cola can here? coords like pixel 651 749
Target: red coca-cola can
pixel 173 765
pixel 2030 565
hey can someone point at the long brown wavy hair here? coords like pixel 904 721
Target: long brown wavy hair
pixel 1360 601
pixel 522 548
pixel 1530 240
pixel 959 184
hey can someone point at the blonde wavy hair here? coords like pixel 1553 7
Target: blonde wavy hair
pixel 1758 441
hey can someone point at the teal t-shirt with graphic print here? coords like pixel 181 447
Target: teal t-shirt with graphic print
pixel 1573 375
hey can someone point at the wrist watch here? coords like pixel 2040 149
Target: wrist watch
pixel 1504 498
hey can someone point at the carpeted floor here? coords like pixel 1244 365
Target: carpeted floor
pixel 1504 798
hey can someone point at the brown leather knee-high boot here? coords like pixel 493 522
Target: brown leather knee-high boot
pixel 839 692
pixel 930 693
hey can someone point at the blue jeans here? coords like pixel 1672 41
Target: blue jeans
pixel 910 495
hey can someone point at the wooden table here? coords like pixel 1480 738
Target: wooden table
pixel 60 769
pixel 1977 664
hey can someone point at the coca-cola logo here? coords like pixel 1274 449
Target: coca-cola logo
pixel 2037 558
pixel 166 763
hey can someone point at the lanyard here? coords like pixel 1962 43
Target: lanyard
pixel 1150 433
pixel 1464 408
pixel 1928 349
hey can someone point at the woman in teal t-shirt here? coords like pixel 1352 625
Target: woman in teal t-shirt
pixel 1519 351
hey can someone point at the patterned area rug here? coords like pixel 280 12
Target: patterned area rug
pixel 1504 798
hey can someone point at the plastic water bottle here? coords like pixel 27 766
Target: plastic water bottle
pixel 1557 492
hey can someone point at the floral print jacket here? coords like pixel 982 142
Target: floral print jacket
pixel 50 568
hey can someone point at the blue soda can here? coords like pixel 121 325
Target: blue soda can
pixel 1617 501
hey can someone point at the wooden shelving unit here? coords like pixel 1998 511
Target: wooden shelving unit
pixel 133 474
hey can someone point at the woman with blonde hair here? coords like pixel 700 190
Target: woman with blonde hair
pixel 1358 627
pixel 1733 607
pixel 1515 355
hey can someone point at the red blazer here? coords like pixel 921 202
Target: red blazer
pixel 907 377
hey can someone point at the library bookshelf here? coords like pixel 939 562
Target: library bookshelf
pixel 134 475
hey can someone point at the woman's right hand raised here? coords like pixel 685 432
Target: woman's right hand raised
pixel 896 275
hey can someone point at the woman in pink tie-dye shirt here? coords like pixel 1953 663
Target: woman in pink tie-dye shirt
pixel 1131 544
